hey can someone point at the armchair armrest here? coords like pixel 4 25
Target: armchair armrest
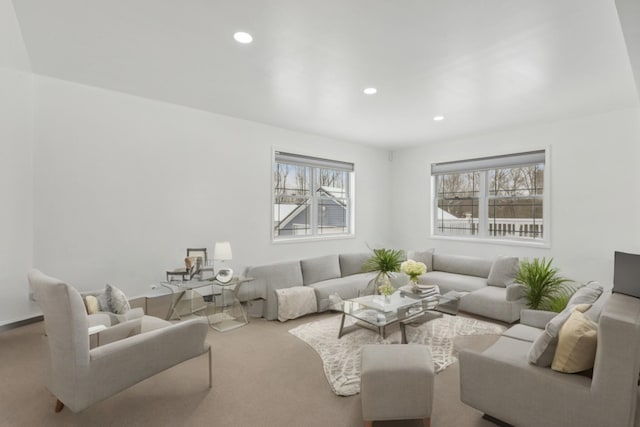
pixel 122 363
pixel 99 319
pixel 120 331
pixel 536 318
pixel 188 334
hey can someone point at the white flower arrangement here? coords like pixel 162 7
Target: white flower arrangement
pixel 413 269
pixel 386 290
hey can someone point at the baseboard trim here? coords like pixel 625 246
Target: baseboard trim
pixel 496 421
pixel 19 323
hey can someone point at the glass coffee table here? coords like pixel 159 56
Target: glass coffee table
pixel 377 312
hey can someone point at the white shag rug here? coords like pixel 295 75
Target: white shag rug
pixel 341 357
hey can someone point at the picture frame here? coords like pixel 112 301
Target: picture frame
pixel 198 253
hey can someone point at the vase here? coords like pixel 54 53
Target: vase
pixel 414 281
pixel 374 284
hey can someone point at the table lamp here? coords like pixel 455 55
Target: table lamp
pixel 222 252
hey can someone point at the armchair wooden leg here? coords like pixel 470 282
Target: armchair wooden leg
pixel 210 368
pixel 427 422
pixel 59 406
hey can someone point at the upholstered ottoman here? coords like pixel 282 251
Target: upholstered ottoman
pixel 396 382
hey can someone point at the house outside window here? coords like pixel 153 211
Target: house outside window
pixel 500 197
pixel 312 197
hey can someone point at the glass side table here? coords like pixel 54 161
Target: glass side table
pixel 228 312
pixel 185 300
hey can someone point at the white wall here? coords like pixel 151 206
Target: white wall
pixel 16 169
pixel 594 191
pixel 124 184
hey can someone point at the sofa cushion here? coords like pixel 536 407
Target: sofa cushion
pixel 320 268
pixel 596 307
pixel 491 301
pixel 503 271
pixel 544 347
pixel 459 264
pixel 352 263
pixel 345 287
pixel 425 257
pixel 576 351
pixel 587 294
pixel 452 282
pixel 523 333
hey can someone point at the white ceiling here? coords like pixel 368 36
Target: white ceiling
pixel 484 65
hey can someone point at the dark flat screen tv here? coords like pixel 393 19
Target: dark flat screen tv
pixel 626 274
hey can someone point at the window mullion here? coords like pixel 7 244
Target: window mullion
pixel 483 205
pixel 314 202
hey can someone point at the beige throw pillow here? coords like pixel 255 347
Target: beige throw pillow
pixel 543 349
pixel 577 342
pixel 91 302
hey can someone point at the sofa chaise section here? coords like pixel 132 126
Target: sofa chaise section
pixel 486 284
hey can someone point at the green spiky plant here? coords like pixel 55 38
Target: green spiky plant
pixel 541 281
pixel 384 261
pixel 559 300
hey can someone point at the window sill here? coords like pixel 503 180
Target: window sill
pixel 312 239
pixel 544 244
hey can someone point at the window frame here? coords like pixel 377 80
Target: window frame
pixel 483 235
pixel 314 198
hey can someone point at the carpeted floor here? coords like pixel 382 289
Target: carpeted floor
pixel 263 376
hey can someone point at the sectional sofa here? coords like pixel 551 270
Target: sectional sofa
pixel 528 389
pixel 485 285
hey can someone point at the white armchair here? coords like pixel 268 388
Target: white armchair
pixel 129 352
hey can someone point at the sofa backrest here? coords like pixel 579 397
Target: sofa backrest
pixel 460 264
pixel 424 256
pixel 320 268
pixel 279 275
pixel 351 264
pixel 617 363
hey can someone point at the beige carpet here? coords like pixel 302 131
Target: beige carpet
pixel 263 376
pixel 341 356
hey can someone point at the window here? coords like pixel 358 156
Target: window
pixel 311 197
pixel 492 197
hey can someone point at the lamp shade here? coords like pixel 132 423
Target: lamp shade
pixel 222 251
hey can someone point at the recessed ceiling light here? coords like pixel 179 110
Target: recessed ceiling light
pixel 370 90
pixel 242 37
pixel 438 118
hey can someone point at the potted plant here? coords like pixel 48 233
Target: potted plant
pixel 385 262
pixel 541 282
